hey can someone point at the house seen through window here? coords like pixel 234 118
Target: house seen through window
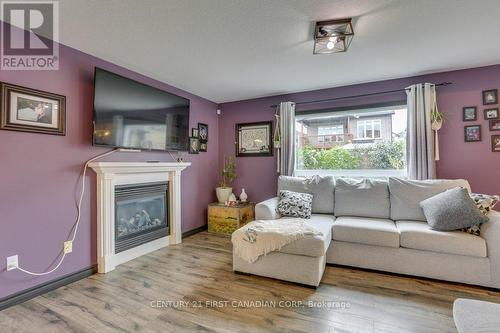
pixel 369 142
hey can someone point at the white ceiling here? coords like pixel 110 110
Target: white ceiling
pixel 226 50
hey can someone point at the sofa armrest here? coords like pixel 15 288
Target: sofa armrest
pixel 490 231
pixel 266 210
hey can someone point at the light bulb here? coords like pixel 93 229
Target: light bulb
pixel 330 45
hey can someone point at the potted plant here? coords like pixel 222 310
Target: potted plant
pixel 228 174
pixel 437 119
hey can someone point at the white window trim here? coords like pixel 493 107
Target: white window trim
pixel 364 123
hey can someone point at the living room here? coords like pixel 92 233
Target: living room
pixel 250 166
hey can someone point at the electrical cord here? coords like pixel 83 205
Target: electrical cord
pixel 77 223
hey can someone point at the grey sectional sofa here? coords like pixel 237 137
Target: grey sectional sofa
pixel 378 224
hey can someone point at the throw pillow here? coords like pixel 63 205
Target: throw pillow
pixel 295 204
pixel 485 204
pixel 452 210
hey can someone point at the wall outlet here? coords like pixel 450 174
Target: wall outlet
pixel 68 247
pixel 12 262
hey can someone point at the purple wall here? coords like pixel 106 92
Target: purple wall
pixel 39 173
pixel 472 161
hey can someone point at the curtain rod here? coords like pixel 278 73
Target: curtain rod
pixel 362 95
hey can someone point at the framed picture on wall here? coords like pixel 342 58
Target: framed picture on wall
pixel 194 132
pixel 472 133
pixel 495 143
pixel 194 145
pixel 254 139
pixel 203 132
pixel 203 146
pixel 29 110
pixel 469 113
pixel 495 125
pixel 491 114
pixel 490 96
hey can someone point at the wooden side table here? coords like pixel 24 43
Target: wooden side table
pixel 224 219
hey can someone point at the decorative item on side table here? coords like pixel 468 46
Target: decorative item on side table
pixel 469 113
pixel 254 139
pixel 472 133
pixel 243 196
pixel 29 110
pixel 490 97
pixel 495 125
pixel 226 219
pixel 491 114
pixel 194 145
pixel 495 143
pixel 228 175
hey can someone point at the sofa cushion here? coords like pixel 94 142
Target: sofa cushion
pixel 313 246
pixel 406 195
pixel 362 197
pixel 452 210
pixel 320 187
pixel 365 230
pixel 419 236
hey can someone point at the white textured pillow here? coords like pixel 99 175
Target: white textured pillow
pixel 295 204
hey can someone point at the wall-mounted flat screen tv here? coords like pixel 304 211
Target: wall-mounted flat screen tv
pixel 129 114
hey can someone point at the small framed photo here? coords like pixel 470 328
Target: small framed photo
pixel 254 139
pixel 472 133
pixel 491 114
pixel 29 110
pixel 194 132
pixel 490 96
pixel 495 143
pixel 194 145
pixel 203 146
pixel 203 132
pixel 469 113
pixel 495 125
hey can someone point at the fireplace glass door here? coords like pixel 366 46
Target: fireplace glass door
pixel 141 214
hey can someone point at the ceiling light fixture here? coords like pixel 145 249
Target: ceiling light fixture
pixel 333 36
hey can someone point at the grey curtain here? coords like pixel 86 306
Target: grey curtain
pixel 419 144
pixel 284 138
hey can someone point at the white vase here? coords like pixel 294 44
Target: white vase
pixel 223 193
pixel 243 195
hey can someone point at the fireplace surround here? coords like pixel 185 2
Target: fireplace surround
pixel 138 193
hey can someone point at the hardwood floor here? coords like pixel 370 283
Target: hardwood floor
pixel 191 288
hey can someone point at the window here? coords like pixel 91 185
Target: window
pixel 332 133
pixel 368 142
pixel 369 129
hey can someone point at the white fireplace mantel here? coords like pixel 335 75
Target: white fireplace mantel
pixel 111 174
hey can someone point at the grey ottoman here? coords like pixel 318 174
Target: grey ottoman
pixel 473 316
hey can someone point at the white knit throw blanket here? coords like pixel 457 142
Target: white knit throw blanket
pixel 260 237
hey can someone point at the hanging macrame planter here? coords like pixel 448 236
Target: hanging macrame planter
pixel 436 124
pixel 277 139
